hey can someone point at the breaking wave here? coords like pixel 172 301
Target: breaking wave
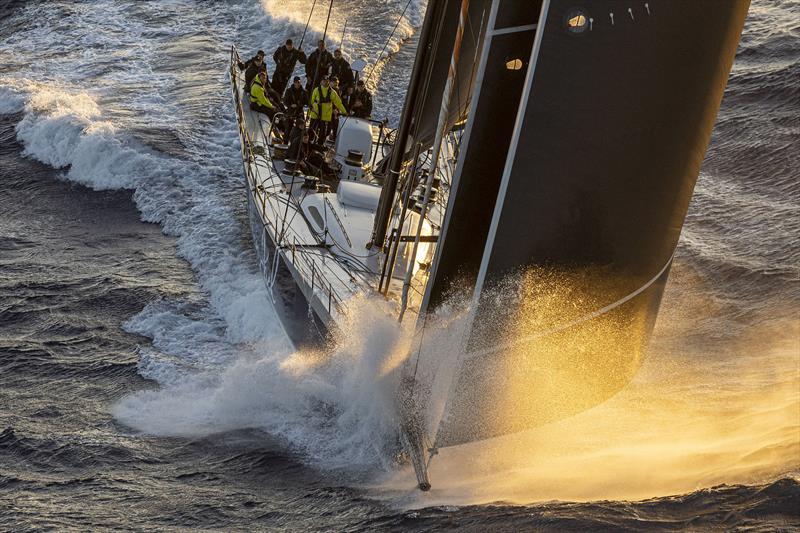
pixel 221 357
pixel 336 409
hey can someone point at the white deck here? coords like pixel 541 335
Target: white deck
pixel 329 261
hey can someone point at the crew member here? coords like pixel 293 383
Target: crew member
pixel 286 57
pixel 323 100
pixel 296 142
pixel 341 69
pixel 361 99
pixel 334 85
pixel 295 99
pixel 259 101
pixel 312 162
pixel 318 65
pixel 252 67
pixel 308 154
pixel 243 66
pixel 348 99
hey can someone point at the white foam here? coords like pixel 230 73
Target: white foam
pixel 223 361
pixel 12 100
pixel 337 409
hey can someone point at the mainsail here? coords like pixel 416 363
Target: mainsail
pixel 420 115
pixel 588 125
pixel 478 11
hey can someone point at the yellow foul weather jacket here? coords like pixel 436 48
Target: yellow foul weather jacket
pixel 322 101
pixel 258 95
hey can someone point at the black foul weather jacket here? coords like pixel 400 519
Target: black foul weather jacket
pixel 324 59
pixel 252 71
pixel 294 100
pixel 285 60
pixel 341 69
pixel 243 66
pixel 365 110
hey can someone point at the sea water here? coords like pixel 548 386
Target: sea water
pixel 146 380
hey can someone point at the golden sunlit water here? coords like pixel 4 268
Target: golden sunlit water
pixel 543 353
pixel 697 414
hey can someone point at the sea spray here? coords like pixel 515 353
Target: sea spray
pixel 698 414
pixel 104 134
pixel 336 408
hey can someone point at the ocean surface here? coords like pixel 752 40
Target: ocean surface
pixel 145 382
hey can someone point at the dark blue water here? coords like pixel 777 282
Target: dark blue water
pixel 146 384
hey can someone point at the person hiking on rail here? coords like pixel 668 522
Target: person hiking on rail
pixel 243 66
pixel 259 101
pixel 252 67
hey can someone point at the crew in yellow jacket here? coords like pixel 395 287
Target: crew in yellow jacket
pixel 321 113
pixel 258 97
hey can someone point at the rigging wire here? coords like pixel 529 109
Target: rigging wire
pixel 307 23
pixel 344 30
pixel 386 44
pixel 324 36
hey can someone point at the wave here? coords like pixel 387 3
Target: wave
pixel 767 507
pixel 223 360
pixel 336 409
pixel 66 129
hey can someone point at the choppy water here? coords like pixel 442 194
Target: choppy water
pixel 144 379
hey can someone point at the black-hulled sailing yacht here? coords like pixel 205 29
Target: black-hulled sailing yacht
pixel 536 186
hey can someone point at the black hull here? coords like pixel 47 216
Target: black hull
pixel 573 183
pixel 302 324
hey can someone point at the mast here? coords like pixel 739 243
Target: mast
pixel 422 68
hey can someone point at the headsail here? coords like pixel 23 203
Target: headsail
pixel 470 41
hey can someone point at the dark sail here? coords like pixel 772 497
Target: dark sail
pixel 424 97
pixel 570 195
pixel 431 98
pixel 484 148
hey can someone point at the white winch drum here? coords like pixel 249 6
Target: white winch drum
pixel 358 195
